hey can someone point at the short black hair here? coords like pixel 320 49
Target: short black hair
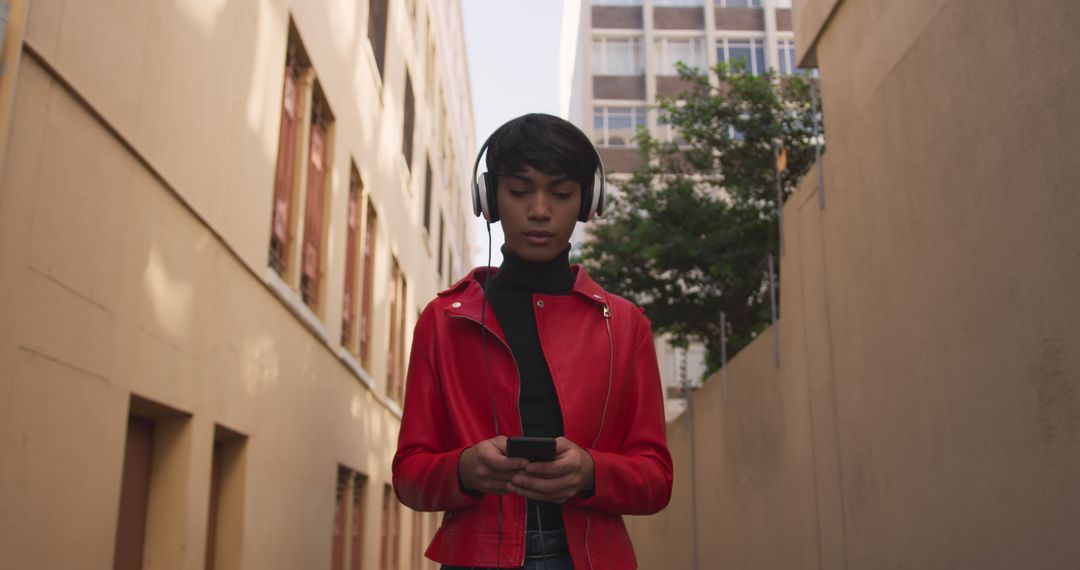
pixel 547 143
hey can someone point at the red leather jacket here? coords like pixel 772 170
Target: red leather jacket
pixel 448 407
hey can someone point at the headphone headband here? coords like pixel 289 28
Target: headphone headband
pixel 484 185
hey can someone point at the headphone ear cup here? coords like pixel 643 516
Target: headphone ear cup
pixel 585 213
pixel 599 186
pixel 477 208
pixel 491 184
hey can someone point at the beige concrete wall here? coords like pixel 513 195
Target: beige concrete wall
pixel 135 196
pixel 925 413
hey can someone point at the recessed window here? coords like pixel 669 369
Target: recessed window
pixel 442 239
pixel 690 51
pixel 355 246
pixel 371 226
pixel 450 268
pixel 788 63
pixel 417 554
pixel 395 364
pixel 348 543
pixel 152 478
pixel 617 56
pixel 377 18
pixel 390 544
pixel 317 174
pixel 407 127
pixel 668 132
pixel 301 177
pixel 751 52
pixel 224 530
pixel 427 196
pixel 617 126
pixel 740 3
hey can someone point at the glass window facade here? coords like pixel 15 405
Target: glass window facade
pixel 750 51
pixel 667 132
pixel 690 51
pixel 787 62
pixel 617 56
pixel 616 126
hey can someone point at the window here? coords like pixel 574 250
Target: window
pixel 368 279
pixel 751 52
pixel 359 489
pixel 740 3
pixel 417 540
pixel 616 126
pixel 690 51
pixel 668 133
pixel 449 267
pixel 318 166
pixel 617 56
pixel 390 543
pixel 427 197
pixel 407 127
pixel 788 64
pixel 395 365
pixel 134 494
pixel 352 246
pixel 152 478
pixel 442 238
pixel 377 18
pixel 682 3
pixel 429 66
pixel 223 528
pixel 348 543
pixel 305 115
pixel 341 520
pixel 289 134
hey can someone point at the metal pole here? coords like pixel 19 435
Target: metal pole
pixel 693 473
pixel 723 353
pixel 817 145
pixel 772 300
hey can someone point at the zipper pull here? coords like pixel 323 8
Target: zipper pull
pixel 607 312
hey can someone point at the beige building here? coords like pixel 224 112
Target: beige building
pixel 218 224
pixel 925 412
pixel 618 56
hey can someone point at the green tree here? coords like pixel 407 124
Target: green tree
pixel 688 235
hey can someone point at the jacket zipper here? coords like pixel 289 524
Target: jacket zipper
pixel 517 372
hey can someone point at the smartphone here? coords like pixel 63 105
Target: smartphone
pixel 531 448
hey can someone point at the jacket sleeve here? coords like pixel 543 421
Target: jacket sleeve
pixel 636 478
pixel 425 466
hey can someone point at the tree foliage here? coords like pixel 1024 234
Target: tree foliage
pixel 688 234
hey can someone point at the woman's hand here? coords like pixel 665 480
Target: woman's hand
pixel 571 474
pixel 485 467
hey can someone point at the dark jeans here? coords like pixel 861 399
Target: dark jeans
pixel 554 545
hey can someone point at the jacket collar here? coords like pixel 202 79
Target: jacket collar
pixel 467 295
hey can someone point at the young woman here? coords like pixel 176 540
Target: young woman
pixel 535 348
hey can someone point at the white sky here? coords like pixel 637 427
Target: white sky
pixel 513 51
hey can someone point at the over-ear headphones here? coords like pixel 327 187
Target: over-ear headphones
pixel 484 185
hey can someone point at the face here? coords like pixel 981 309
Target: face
pixel 538 213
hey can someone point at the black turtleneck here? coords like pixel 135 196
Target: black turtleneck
pixel 511 295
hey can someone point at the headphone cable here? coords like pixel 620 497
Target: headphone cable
pixel 491 392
